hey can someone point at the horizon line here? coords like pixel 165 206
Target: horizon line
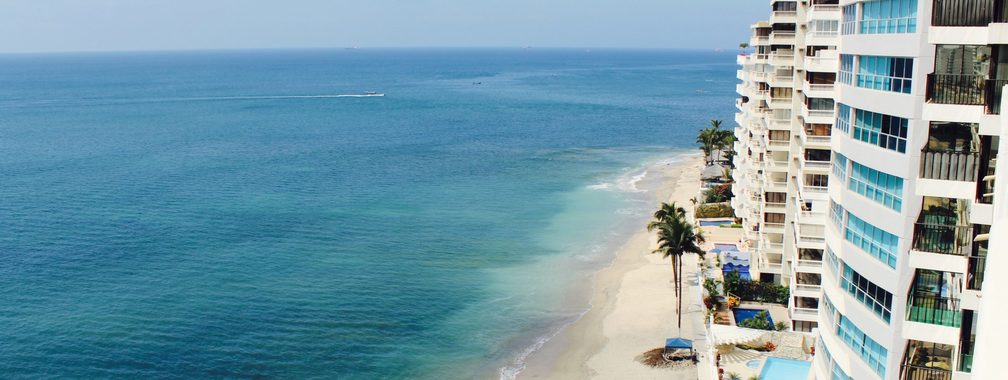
pixel 239 49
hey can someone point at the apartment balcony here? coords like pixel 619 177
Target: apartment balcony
pixel 817 116
pixel 779 124
pixel 930 308
pixel 779 145
pixel 819 90
pixel 943 238
pixel 774 207
pixel 759 40
pixel 993 89
pixel 804 313
pixel 773 228
pixel 817 166
pixel 782 57
pixel 808 266
pixel 914 372
pixel 822 38
pixel 807 290
pixel 780 103
pixel 819 141
pixel 949 165
pixel 781 79
pixel 966 13
pixel 823 12
pixel 967 90
pixel 783 17
pixel 827 61
pixel 782 38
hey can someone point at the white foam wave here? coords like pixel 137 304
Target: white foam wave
pixel 511 372
pixel 624 184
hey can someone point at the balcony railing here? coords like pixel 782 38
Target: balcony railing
pixel 994 88
pixel 956 89
pixel 964 13
pixel 941 238
pixel 975 272
pixel 949 165
pixel 913 372
pixel 935 310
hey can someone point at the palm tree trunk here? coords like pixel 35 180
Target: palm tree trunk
pixel 679 295
pixel 675 277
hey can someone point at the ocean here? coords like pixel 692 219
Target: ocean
pixel 224 214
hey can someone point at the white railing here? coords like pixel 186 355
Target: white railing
pixel 805 311
pixel 808 288
pixel 817 164
pixel 820 113
pixel 820 87
pixel 815 189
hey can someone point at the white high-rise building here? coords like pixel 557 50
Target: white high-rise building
pixel 896 198
pixel 786 114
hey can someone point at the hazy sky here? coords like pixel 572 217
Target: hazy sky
pixel 102 25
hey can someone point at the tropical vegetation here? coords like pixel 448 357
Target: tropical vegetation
pixel 755 291
pixel 676 237
pixel 714 139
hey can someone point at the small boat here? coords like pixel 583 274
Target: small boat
pixel 372 93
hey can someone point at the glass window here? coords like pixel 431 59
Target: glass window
pixel 880 187
pixel 888 132
pixel 849 19
pixel 843 118
pixel 889 16
pixel 872 240
pixel 840 166
pixel 877 300
pixel 846 69
pixel 885 73
pixel 872 353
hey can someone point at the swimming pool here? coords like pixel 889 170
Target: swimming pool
pixel 726 247
pixel 743 314
pixel 707 223
pixel 784 369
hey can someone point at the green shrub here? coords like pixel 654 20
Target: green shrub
pixel 715 210
pixel 717 194
pixel 755 291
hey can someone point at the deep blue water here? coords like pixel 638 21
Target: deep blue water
pixel 743 314
pixel 158 221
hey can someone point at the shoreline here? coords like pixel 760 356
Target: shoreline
pixel 632 304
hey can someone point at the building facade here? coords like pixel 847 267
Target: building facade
pixel 890 182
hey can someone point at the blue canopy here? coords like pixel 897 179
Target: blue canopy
pixel 678 343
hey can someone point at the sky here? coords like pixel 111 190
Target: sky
pixel 28 26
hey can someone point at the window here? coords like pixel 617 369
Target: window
pixel 820 155
pixel 805 326
pixel 889 16
pixel 840 166
pixel 843 118
pixel 820 104
pixel 880 187
pixel 888 132
pixel 816 180
pixel 837 214
pixel 773 217
pixel 872 353
pixel 872 240
pixel 824 27
pixel 885 73
pixel 846 69
pixel 833 263
pixel 875 298
pixel 849 19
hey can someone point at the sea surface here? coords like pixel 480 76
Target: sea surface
pixel 227 215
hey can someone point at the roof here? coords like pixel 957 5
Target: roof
pixel 723 334
pixel 712 172
pixel 678 343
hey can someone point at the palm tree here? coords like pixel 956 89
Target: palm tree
pixel 733 376
pixel 708 140
pixel 676 236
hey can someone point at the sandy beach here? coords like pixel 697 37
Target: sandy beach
pixel 633 306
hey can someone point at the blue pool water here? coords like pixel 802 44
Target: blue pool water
pixel 726 247
pixel 742 314
pixel 224 215
pixel 785 369
pixel 707 223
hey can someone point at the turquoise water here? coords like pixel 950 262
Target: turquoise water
pixel 220 214
pixel 785 369
pixel 742 314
